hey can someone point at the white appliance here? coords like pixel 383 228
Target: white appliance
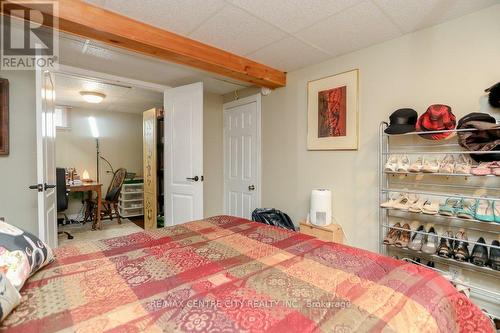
pixel 321 207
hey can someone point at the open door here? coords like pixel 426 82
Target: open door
pixel 183 154
pixel 46 169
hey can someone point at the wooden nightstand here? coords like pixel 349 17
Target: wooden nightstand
pixel 329 233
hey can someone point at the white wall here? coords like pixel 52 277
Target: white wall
pixel 212 155
pixel 18 170
pixel 451 63
pixel 120 141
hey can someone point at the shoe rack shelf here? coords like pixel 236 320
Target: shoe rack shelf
pixel 434 257
pixel 439 186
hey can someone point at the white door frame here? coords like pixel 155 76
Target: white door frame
pixel 91 75
pixel 257 98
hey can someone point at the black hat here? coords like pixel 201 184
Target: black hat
pixel 402 121
pixel 476 116
pixel 494 97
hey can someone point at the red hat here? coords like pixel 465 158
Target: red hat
pixel 438 117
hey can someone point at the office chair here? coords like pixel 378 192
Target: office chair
pixel 62 198
pixel 110 201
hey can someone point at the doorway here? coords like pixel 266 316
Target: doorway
pixel 99 140
pixel 242 156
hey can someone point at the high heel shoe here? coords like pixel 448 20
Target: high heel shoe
pixel 431 242
pixel 479 255
pixel 495 256
pixel 404 236
pixel 393 235
pixel 461 247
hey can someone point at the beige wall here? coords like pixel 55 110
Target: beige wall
pixel 18 170
pixel 212 155
pixel 120 140
pixel 451 63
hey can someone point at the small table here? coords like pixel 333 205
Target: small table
pixel 91 187
pixel 328 233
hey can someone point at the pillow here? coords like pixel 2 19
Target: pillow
pixel 22 254
pixel 9 297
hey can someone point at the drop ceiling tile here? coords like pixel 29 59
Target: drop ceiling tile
pixel 236 31
pixel 179 16
pixel 293 15
pixel 353 29
pixel 418 14
pixel 288 54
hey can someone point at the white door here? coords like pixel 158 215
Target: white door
pixel 242 156
pixel 46 169
pixel 183 154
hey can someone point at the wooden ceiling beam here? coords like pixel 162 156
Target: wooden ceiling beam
pixel 88 21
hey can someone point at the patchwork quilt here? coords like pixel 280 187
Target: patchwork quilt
pixel 226 274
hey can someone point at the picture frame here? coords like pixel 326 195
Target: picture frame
pixel 4 117
pixel 332 112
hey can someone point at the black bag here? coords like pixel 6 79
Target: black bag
pixel 273 217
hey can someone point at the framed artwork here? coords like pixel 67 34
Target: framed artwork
pixel 332 112
pixel 4 116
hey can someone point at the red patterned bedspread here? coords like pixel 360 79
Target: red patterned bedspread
pixel 226 274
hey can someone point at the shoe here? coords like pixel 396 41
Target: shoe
pixel 447 165
pixel 496 211
pixel 405 202
pixel 403 164
pixel 431 264
pixel 391 164
pixel 479 255
pixel 483 169
pixel 431 242
pixel 417 239
pixel 445 248
pixel 430 207
pixel 392 201
pixel 484 210
pixel 416 206
pixel 495 256
pixel 495 168
pixel 417 165
pixel 461 247
pixel 404 236
pixel 449 207
pixel 463 165
pixel 431 166
pixel 392 235
pixel 467 209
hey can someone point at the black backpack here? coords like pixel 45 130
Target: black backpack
pixel 273 217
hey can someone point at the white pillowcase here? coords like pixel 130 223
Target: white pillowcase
pixel 9 297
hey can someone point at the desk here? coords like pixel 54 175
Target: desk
pixel 91 187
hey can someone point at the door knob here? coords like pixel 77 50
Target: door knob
pixel 47 186
pixel 38 187
pixel 195 178
pixel 251 187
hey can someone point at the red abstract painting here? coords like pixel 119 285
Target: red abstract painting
pixel 332 112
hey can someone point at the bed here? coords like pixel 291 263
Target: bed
pixel 226 274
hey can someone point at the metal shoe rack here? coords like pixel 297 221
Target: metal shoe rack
pixel 483 282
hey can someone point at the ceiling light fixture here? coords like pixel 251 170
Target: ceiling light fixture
pixel 92 97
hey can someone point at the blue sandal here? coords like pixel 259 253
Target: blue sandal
pixel 449 207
